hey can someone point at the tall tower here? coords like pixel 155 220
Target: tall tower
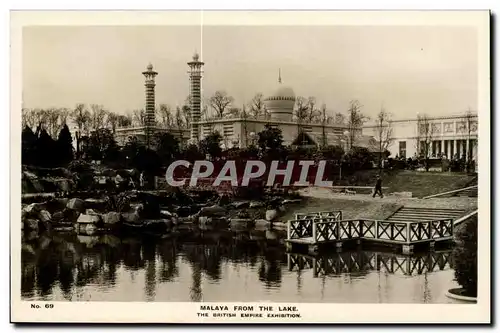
pixel 195 74
pixel 149 120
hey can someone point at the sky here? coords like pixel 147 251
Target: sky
pixel 407 69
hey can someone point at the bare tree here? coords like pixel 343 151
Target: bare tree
pixel 164 112
pixel 425 135
pixel 312 113
pixel 301 108
pixel 383 133
pixel 355 121
pixel 124 120
pixel 97 116
pixel 220 102
pixel 339 118
pixel 112 121
pixel 81 116
pixel 29 118
pixel 257 106
pixel 234 112
pixel 179 118
pixel 52 121
pixel 64 114
pixel 205 115
pixel 139 117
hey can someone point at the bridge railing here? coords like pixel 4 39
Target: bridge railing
pixel 324 230
pixel 302 226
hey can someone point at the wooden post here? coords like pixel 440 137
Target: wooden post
pixel 288 229
pixel 314 231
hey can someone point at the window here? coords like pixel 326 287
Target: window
pixel 402 149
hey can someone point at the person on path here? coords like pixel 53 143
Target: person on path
pixel 141 180
pixel 378 187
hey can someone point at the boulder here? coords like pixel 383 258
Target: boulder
pixel 44 216
pixel 240 204
pixel 76 204
pixel 88 219
pixel 56 204
pixel 58 216
pixel 204 220
pixel 291 201
pixel 111 218
pixel 271 214
pixel 91 212
pixel 33 209
pixel 214 210
pixel 31 224
pixel 132 217
pixel 256 204
pixel 70 215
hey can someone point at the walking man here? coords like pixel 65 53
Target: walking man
pixel 378 187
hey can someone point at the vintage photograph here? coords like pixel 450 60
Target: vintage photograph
pixel 250 163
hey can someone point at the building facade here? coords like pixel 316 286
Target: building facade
pixel 452 136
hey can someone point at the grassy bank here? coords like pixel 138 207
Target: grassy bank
pixel 419 183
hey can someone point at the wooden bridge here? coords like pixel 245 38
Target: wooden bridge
pixel 324 229
pixel 365 261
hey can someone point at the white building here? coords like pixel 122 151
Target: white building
pixel 452 136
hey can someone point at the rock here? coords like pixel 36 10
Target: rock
pixel 256 204
pixel 166 213
pixel 56 204
pixel 44 216
pixel 130 217
pixel 29 175
pixel 70 215
pixel 76 204
pixel 291 201
pixel 91 212
pixel 88 219
pixel 281 209
pixel 31 224
pixel 58 216
pixel 214 210
pixel 241 204
pixel 111 218
pixel 37 185
pixel 271 214
pixel 44 242
pixel 33 209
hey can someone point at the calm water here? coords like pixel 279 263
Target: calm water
pixel 222 266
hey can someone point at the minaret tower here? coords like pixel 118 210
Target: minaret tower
pixel 195 74
pixel 149 120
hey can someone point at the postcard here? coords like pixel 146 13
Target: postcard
pixel 250 167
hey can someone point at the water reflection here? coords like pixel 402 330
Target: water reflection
pixel 209 266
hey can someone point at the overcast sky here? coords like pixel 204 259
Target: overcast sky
pixel 407 69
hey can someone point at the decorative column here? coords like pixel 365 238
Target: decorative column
pixel 442 147
pixel 455 147
pixel 467 147
pixel 149 120
pixel 195 75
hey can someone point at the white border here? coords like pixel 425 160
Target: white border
pixel 186 312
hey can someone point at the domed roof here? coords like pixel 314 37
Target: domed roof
pixel 283 93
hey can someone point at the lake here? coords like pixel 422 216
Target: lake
pixel 223 265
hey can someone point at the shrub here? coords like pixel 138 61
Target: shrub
pixel 465 258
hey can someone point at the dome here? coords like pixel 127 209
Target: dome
pixel 150 67
pixel 282 93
